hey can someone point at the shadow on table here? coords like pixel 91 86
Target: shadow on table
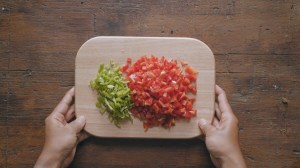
pixel 112 152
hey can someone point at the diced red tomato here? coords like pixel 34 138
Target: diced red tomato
pixel 193 112
pixel 192 78
pixel 159 90
pixel 124 68
pixel 192 88
pixel 129 60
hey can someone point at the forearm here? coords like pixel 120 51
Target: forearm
pixel 47 159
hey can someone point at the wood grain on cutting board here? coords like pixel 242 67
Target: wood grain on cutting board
pixel 100 50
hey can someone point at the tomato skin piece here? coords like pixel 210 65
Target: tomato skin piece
pixel 190 70
pixel 159 90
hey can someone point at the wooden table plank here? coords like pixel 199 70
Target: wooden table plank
pixel 218 24
pixel 4 35
pixel 45 37
pixel 24 145
pixel 34 94
pixel 256 45
pixel 3 112
pixel 4 62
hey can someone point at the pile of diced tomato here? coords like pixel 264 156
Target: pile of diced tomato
pixel 159 90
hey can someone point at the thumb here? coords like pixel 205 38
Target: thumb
pixel 82 136
pixel 205 127
pixel 78 124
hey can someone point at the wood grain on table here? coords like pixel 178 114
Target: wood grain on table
pixel 256 46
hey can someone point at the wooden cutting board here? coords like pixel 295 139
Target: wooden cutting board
pixel 103 49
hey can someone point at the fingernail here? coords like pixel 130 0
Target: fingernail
pixel 81 119
pixel 202 121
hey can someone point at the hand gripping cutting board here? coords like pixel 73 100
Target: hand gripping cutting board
pixel 104 49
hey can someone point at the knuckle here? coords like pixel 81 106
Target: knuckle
pixel 203 127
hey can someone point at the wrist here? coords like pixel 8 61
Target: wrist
pixel 234 159
pixel 49 159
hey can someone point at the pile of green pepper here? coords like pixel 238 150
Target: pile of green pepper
pixel 113 93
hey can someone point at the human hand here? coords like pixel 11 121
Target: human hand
pixel 221 137
pixel 62 136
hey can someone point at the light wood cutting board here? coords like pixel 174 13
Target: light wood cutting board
pixel 103 49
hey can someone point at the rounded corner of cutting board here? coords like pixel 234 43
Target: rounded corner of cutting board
pixel 85 44
pixel 205 45
pixel 91 131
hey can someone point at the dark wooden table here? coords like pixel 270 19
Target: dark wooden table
pixel 256 44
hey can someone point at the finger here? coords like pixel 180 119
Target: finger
pixel 218 111
pixel 205 127
pixel 223 102
pixel 57 118
pixel 78 124
pixel 216 122
pixel 66 101
pixel 83 136
pixel 71 113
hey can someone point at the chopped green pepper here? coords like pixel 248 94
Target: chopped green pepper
pixel 113 93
